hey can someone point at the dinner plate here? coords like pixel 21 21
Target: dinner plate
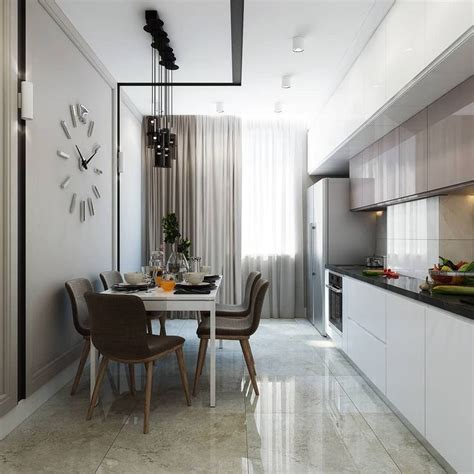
pixel 129 287
pixel 200 286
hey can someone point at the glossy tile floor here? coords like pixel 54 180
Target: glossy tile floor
pixel 314 414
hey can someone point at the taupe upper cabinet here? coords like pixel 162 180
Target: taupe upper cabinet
pixel 414 155
pixel 371 174
pixel 356 174
pixel 389 166
pixel 451 137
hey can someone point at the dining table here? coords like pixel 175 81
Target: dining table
pixel 156 299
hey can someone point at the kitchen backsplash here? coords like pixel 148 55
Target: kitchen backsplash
pixel 414 234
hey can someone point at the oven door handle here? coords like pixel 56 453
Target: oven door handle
pixel 334 289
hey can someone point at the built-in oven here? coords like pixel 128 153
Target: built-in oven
pixel 334 286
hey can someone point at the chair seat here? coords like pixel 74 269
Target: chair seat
pixel 233 311
pixel 158 344
pixel 234 327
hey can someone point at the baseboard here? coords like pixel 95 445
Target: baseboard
pixel 27 407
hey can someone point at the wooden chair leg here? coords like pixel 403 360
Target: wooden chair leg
pixel 98 383
pixel 244 343
pixel 163 325
pixel 206 345
pixel 200 363
pixel 184 375
pixel 148 387
pixel 131 373
pixel 82 362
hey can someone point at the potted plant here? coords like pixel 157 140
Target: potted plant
pixel 177 261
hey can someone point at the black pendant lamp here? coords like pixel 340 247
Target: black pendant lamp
pixel 160 136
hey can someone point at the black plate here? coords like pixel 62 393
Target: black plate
pixel 129 287
pixel 203 286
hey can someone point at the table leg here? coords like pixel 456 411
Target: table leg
pixel 93 366
pixel 221 345
pixel 213 356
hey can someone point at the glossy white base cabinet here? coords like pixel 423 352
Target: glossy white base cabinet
pixel 406 358
pixel 421 359
pixel 367 352
pixel 450 387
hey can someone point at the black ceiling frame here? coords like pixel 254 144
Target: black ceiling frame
pixel 237 39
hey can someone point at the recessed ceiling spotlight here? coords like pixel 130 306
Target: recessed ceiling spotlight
pixel 286 82
pixel 220 107
pixel 278 107
pixel 298 44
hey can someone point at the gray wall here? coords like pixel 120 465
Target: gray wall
pixel 131 252
pixel 59 246
pixel 8 205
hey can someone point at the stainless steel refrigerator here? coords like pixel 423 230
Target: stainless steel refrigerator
pixel 335 235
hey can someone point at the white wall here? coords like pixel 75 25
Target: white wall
pixel 131 252
pixel 59 247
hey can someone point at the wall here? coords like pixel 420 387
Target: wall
pixel 59 247
pixel 131 250
pixel 419 231
pixel 8 206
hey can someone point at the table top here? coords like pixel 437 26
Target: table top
pixel 158 294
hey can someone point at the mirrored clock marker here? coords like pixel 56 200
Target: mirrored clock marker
pixel 66 129
pixel 63 155
pixel 82 212
pixel 82 112
pixel 90 129
pixel 66 182
pixel 95 191
pixel 91 206
pixel 73 203
pixel 72 108
pixel 98 171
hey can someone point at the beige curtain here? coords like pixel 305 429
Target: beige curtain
pixel 203 188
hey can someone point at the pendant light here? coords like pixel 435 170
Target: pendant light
pixel 160 136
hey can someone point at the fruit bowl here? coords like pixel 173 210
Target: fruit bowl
pixel 451 278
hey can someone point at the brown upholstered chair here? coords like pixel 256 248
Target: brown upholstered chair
pixel 113 277
pixel 80 315
pixel 118 331
pixel 238 310
pixel 243 309
pixel 234 329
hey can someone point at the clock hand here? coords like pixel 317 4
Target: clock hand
pixel 84 164
pixel 93 154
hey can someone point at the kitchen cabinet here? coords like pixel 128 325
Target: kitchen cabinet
pixel 406 358
pixel 366 306
pixel 450 387
pixel 370 174
pixel 356 166
pixel 451 137
pixel 414 155
pixel 367 352
pixel 389 167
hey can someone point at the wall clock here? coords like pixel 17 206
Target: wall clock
pixel 86 156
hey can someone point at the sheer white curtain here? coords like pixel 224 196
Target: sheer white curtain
pixel 273 164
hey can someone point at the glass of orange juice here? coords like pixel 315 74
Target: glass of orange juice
pixel 167 285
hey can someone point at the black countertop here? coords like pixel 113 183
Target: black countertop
pixel 409 287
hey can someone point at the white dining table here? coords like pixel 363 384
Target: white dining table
pixel 156 299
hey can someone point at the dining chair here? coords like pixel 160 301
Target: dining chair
pixel 80 315
pixel 118 331
pixel 234 329
pixel 113 277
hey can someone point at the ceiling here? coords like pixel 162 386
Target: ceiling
pixel 335 32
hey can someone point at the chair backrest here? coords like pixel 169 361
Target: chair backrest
pixel 258 297
pixel 118 326
pixel 76 290
pixel 250 287
pixel 111 278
